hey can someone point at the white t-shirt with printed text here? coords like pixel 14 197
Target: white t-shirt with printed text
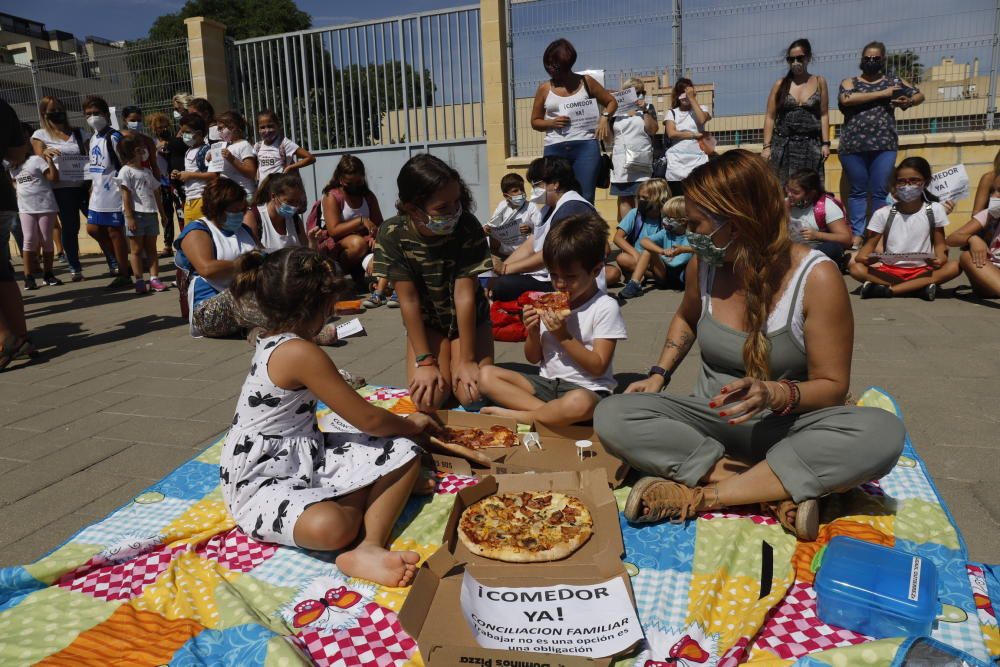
pixel 65 147
pixel 273 158
pixel 241 150
pixel 105 197
pixel 34 191
pixel 142 185
pixel 910 232
pixel 599 317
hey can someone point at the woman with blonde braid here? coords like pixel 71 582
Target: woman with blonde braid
pixel 767 422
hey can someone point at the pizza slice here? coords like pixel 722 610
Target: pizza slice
pixel 467 441
pixel 556 303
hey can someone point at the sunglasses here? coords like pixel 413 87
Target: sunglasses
pixel 909 181
pixel 795 59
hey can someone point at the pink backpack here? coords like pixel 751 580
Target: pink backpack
pixel 819 209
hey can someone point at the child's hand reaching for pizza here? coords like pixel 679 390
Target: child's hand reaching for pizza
pixel 555 324
pixel 425 424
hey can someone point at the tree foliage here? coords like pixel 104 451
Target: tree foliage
pixel 906 65
pixel 243 18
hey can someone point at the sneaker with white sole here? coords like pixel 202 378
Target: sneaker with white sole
pixel 157 286
pixel 929 293
pixel 393 301
pixel 374 300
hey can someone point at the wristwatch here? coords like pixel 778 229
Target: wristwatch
pixel 662 372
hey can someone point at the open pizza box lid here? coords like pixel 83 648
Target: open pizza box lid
pixel 559 452
pixel 432 613
pixel 458 465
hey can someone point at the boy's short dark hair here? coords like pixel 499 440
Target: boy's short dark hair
pixel 510 182
pixel 550 169
pixel 98 102
pixel 193 121
pixel 579 238
pixel 129 146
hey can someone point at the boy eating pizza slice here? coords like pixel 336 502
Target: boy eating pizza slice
pixel 572 335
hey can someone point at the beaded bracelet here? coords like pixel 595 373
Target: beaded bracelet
pixel 794 397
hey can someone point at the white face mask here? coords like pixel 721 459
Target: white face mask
pixel 538 194
pixel 994 207
pixel 134 125
pixel 97 123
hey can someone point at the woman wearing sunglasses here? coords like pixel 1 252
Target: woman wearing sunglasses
pixel 868 139
pixel 797 125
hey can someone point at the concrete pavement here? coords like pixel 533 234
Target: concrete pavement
pixel 122 395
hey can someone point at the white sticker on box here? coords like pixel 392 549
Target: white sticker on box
pixel 595 620
pixel 914 591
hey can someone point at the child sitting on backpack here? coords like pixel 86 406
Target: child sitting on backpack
pixel 912 226
pixel 816 218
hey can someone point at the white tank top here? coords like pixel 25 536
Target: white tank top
pixel 349 213
pixel 270 239
pixel 568 133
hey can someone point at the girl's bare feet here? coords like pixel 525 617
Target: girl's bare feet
pixel 374 563
pixel 521 416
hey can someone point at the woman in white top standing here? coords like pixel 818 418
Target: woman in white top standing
pixel 632 155
pixel 574 141
pixel 238 161
pixel 685 126
pixel 57 138
pixel 36 204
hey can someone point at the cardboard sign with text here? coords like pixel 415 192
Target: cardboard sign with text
pixel 950 184
pixel 433 614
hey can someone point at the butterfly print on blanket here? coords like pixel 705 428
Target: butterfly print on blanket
pixel 256 399
pixel 282 513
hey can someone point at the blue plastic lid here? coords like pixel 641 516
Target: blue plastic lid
pixel 890 580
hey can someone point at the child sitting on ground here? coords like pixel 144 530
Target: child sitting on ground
pixel 913 225
pixel 285 481
pixel 816 218
pixel 671 245
pixel 640 222
pixel 574 350
pixel 514 218
pixel 143 208
pixel 981 258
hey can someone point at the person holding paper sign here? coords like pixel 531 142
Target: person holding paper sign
pixel 980 240
pixel 767 422
pixel 576 142
pixel 514 218
pixel 685 127
pixel 632 155
pixel 68 146
pixel 235 158
pixel 917 221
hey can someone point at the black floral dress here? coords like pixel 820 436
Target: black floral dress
pixel 871 126
pixel 797 140
pixel 276 462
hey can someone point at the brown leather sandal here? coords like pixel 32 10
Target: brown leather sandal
pixel 664 500
pixel 806 524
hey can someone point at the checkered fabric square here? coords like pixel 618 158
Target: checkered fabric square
pixel 449 483
pixel 120 581
pixel 966 636
pixel 793 630
pixel 292 568
pixel 377 640
pixel 742 513
pixel 904 483
pixel 134 519
pixel 387 394
pixel 661 596
pixel 236 551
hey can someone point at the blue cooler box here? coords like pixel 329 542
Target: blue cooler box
pixel 875 590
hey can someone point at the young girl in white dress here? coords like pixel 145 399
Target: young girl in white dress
pixel 285 481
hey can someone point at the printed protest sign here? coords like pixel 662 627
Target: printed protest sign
pixel 583 114
pixel 950 184
pixel 628 101
pixel 216 162
pixel 595 620
pixel 506 230
pixel 72 167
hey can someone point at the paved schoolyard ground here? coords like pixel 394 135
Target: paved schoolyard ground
pixel 122 395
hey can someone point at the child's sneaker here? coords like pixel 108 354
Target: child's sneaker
pixel 51 280
pixel 393 301
pixel 870 290
pixel 76 276
pixel 157 286
pixel 631 290
pixel 929 293
pixel 120 282
pixel 140 286
pixel 374 300
pixel 30 284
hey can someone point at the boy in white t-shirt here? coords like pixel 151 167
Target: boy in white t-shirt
pixel 574 349
pixel 141 202
pixel 37 209
pixel 514 218
pixel 276 153
pixel 196 175
pixel 915 257
pixel 981 258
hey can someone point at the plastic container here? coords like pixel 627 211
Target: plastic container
pixel 875 590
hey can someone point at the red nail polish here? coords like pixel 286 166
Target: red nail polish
pixel 722 414
pixel 732 422
pixel 724 391
pixel 712 404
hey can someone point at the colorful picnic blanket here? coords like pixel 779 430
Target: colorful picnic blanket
pixel 168 579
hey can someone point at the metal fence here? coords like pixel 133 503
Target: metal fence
pixel 734 51
pixel 413 79
pixel 147 74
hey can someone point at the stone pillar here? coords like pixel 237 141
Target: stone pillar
pixel 496 88
pixel 207 55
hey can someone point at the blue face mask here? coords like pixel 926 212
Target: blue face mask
pixel 442 225
pixel 706 249
pixel 286 210
pixel 234 220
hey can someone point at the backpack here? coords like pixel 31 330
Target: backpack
pixel 199 158
pixel 109 148
pixel 505 317
pixel 892 215
pixel 819 209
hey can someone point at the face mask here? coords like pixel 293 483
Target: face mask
pixel 706 249
pixel 225 134
pixel 233 221
pixel 798 203
pixel 650 211
pixel 538 194
pixel 674 226
pixel 134 125
pixel 872 65
pixel 97 123
pixel 994 207
pixel 355 190
pixel 908 193
pixel 797 67
pixel 143 155
pixel 56 116
pixel 517 201
pixel 442 225
pixel 188 139
pixel 177 114
pixel 286 210
pixel 269 135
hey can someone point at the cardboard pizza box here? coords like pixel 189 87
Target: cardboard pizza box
pixel 433 615
pixel 458 465
pixel 559 452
